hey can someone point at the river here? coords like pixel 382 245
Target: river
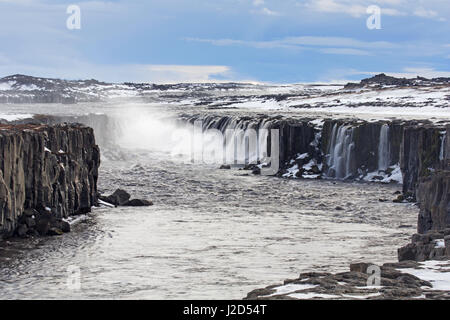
pixel 211 234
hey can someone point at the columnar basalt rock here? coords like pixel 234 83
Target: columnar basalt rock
pixel 48 169
pixel 433 196
pixel 419 155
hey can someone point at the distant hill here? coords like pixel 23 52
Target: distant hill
pixel 382 80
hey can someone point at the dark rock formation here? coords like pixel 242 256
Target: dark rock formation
pixel 394 284
pixel 420 154
pixel 52 169
pixel 138 203
pixel 428 246
pixel 381 80
pixel 433 195
pixel 105 127
pixel 122 198
pixel 118 198
pixel 432 190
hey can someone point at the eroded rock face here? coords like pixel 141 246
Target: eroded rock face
pixel 46 167
pixel 420 155
pixel 432 191
pixel 428 246
pixel 433 195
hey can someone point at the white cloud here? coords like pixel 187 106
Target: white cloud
pixel 349 7
pixel 269 12
pixel 185 73
pixel 332 6
pixel 255 44
pixel 328 45
pixel 77 69
pixel 338 41
pixel 264 10
pixel 346 51
pixel 357 8
pixel 425 13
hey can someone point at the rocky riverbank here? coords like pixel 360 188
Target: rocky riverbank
pixel 48 172
pixel 396 281
pixel 424 268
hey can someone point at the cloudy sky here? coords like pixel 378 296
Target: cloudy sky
pixel 281 41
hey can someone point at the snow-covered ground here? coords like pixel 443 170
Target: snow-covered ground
pixel 13 117
pixel 422 100
pixel 436 272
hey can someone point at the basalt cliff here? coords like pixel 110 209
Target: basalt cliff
pixel 47 173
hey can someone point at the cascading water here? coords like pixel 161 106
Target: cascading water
pixel 384 149
pixel 340 152
pixel 244 140
pixel 442 154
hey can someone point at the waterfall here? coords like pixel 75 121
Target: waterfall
pixel 442 154
pixel 384 149
pixel 245 140
pixel 340 152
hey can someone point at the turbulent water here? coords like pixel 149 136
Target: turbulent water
pixel 212 234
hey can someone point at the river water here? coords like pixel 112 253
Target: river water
pixel 211 234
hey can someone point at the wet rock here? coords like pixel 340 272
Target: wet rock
pixel 359 267
pixel 62 225
pixel 30 212
pixel 256 171
pixel 43 222
pixel 138 203
pixel 424 247
pixel 53 231
pixel 225 167
pixel 259 292
pixel 315 169
pixel 30 222
pixel 22 230
pixel 118 198
pixel 405 264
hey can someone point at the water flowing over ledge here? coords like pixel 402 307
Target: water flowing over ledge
pixel 396 151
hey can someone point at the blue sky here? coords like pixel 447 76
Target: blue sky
pixel 282 41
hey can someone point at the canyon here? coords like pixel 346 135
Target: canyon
pixel 359 159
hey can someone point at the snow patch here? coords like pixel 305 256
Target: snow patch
pixel 435 272
pixel 291 287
